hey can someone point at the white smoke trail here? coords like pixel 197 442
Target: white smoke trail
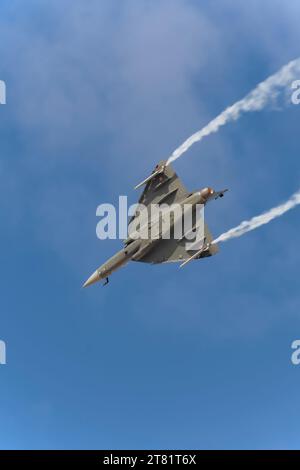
pixel 264 94
pixel 259 220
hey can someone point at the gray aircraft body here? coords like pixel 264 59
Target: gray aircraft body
pixel 162 187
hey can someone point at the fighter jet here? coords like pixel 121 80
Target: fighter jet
pixel 162 187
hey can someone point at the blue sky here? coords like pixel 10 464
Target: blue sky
pixel 97 93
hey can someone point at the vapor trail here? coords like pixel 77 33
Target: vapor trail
pixel 259 220
pixel 264 94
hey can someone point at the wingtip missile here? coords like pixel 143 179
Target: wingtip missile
pixel 149 178
pixel 205 247
pixel 160 168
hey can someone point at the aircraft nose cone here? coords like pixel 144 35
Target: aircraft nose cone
pixel 92 279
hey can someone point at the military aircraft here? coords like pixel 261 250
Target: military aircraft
pixel 162 187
